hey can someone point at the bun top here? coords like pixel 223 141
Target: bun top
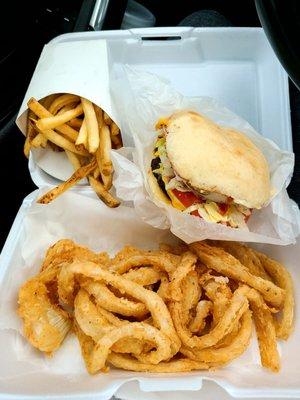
pixel 215 159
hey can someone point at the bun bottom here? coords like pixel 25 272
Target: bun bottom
pixel 156 190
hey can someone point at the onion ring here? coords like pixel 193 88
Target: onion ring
pixel 245 255
pixel 120 305
pixel 160 314
pixel 137 330
pixel 66 250
pixel 265 330
pixel 186 265
pixel 45 324
pixel 225 264
pixel 284 326
pixel 238 305
pixel 130 257
pixel 181 365
pixel 227 353
pixel 144 276
pixel 204 307
pixel 94 324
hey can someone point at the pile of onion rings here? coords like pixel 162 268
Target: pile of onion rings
pixel 175 309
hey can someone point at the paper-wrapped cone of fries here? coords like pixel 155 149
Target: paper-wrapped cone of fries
pixel 69 121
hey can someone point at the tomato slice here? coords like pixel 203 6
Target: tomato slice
pixel 195 213
pixel 223 208
pixel 187 198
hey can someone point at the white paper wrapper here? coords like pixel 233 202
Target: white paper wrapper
pixel 140 100
pixel 79 68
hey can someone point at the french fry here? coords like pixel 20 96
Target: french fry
pixel 62 101
pixel 81 147
pixel 27 147
pixel 57 120
pixel 83 135
pixel 91 125
pixel 115 136
pixel 79 174
pixel 99 116
pixel 96 173
pixel 74 160
pixel 39 141
pixel 117 141
pixel 66 108
pixel 103 194
pixel 62 142
pixel 39 110
pixel 54 147
pixel 105 148
pixel 46 101
pixel 98 158
pixel 75 123
pixel 107 118
pixel 30 134
pixel 68 132
pixel 107 181
pixel 114 129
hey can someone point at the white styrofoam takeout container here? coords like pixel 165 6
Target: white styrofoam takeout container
pixel 234 65
pixel 21 379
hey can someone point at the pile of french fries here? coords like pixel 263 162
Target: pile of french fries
pixel 87 134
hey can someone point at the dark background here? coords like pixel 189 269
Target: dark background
pixel 167 13
pixel 27 26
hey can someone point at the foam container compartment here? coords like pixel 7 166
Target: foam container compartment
pixel 234 65
pixel 238 67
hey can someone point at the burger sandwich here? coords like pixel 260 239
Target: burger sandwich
pixel 208 171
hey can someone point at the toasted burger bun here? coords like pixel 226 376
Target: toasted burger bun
pixel 156 190
pixel 215 159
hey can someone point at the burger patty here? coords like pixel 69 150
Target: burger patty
pixel 155 164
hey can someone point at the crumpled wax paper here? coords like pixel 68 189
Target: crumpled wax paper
pixel 140 99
